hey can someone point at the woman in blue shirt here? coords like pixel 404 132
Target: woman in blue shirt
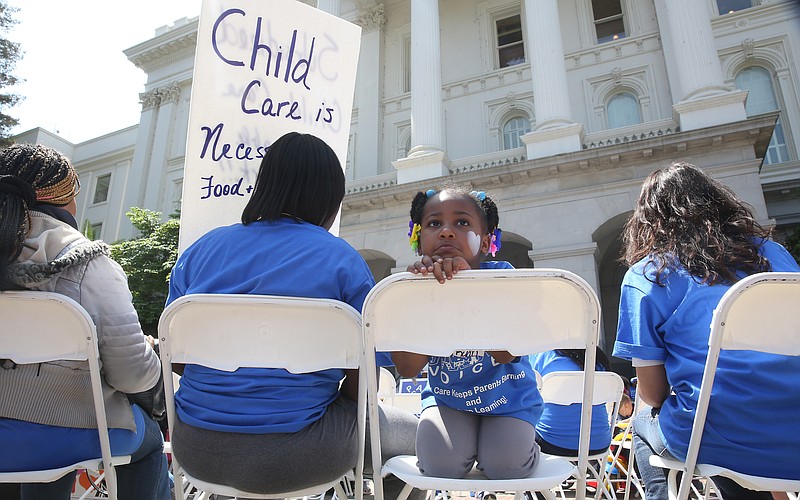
pixel 557 428
pixel 688 240
pixel 267 430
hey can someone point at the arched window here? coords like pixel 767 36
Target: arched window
pixel 513 129
pixel 623 110
pixel 761 99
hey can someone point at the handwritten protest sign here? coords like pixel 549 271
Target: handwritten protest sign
pixel 262 69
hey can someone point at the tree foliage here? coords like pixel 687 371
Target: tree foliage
pixel 10 54
pixel 793 244
pixel 148 261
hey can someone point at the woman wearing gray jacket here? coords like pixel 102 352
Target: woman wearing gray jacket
pixel 47 417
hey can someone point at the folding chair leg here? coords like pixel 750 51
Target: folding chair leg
pixel 672 484
pixel 405 492
pixel 548 494
pixel 339 491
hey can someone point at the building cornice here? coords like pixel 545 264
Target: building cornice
pixel 754 132
pixel 171 44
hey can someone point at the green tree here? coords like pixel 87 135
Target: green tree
pixel 148 261
pixel 793 244
pixel 10 54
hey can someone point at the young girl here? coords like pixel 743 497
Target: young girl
pixel 451 230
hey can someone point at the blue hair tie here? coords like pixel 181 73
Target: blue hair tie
pixel 480 195
pixel 430 192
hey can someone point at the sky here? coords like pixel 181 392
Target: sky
pixel 78 82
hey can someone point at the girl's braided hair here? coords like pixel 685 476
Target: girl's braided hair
pixel 486 207
pixel 29 174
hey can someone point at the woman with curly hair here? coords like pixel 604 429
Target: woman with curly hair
pixel 689 239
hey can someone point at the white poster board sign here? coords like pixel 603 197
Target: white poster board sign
pixel 262 69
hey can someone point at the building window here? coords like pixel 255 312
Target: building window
pixel 406 55
pixel 510 46
pixel 761 99
pixel 97 231
pixel 623 110
pixel 513 130
pixel 609 23
pixel 731 6
pixel 101 188
pixel 177 195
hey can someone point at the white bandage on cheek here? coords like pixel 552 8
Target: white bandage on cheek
pixel 474 242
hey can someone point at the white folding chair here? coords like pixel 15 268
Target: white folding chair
pixel 56 328
pixel 387 386
pixel 624 441
pixel 226 332
pixel 763 302
pixel 522 311
pixel 566 388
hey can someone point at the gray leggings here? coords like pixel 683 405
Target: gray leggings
pixel 275 463
pixel 450 442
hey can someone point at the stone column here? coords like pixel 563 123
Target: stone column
pixel 426 159
pixel 555 131
pixel 368 93
pixel 330 6
pixel 159 149
pixel 140 164
pixel 695 74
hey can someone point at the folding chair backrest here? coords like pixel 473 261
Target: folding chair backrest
pixel 43 326
pixel 37 327
pixel 762 302
pixel 566 388
pixel 522 311
pixel 227 332
pixel 534 309
pixel 387 386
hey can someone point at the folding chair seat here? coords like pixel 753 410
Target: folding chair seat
pixel 227 332
pixel 566 388
pixel 775 297
pixel 522 311
pixel 56 328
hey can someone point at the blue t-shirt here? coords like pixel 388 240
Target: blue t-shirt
pixel 472 381
pixel 285 258
pixel 752 423
pixel 560 425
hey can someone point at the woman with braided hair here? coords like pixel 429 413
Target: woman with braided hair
pixel 47 417
pixel 452 230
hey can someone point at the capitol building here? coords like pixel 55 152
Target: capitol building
pixel 556 108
